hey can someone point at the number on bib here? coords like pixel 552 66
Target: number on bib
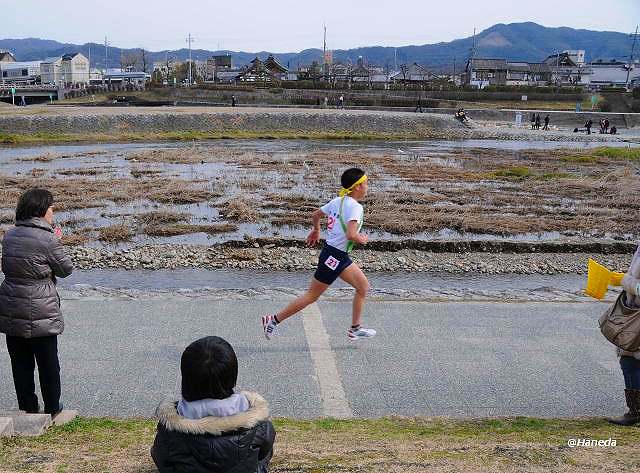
pixel 332 263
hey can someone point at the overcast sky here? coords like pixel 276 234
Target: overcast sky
pixel 289 26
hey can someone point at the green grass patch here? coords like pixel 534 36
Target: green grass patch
pixel 580 159
pixel 520 173
pixel 630 154
pixel 515 172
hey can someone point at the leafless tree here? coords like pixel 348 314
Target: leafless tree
pixel 144 59
pixel 129 60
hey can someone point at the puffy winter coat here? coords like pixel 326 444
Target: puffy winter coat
pixel 631 281
pixel 630 284
pixel 32 258
pixel 239 443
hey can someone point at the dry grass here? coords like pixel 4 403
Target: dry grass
pixel 138 173
pixel 178 195
pixel 185 229
pixel 115 233
pixel 162 217
pixel 402 445
pixel 239 209
pixel 75 239
pixel 484 191
pixel 81 172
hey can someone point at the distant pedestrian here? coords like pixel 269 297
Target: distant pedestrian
pixel 538 121
pixel 533 120
pixel 341 102
pixel 601 125
pixel 613 131
pixel 546 122
pixel 419 106
pixel 326 101
pixel 30 315
pixel 588 125
pixel 606 125
pixel 233 101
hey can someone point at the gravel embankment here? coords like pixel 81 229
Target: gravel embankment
pixel 270 257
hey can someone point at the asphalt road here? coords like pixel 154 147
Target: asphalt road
pixel 121 358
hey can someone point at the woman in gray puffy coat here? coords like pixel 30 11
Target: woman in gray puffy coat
pixel 630 361
pixel 30 315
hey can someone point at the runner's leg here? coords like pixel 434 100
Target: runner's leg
pixel 316 288
pixel 354 276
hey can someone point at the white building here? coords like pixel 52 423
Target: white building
pixel 68 69
pixel 576 55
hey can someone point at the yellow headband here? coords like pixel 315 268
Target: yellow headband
pixel 344 191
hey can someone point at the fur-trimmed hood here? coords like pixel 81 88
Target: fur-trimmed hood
pixel 258 411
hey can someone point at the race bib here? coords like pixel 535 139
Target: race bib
pixel 332 263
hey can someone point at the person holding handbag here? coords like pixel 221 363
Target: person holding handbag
pixel 30 315
pixel 630 361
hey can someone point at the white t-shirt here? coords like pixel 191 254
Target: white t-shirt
pixel 351 210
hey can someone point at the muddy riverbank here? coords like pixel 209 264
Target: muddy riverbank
pixel 430 196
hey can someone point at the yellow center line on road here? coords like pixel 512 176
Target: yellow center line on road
pixel 334 400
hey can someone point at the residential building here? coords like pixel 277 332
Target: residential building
pixel 481 73
pixel 566 71
pixel 51 70
pixel 7 56
pixel 268 70
pixel 413 74
pixel 566 68
pixel 20 72
pixel 217 64
pixel 613 73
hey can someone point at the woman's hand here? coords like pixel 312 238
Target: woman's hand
pixel 58 232
pixel 314 237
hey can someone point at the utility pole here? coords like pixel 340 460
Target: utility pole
pixel 630 64
pixel 106 46
pixel 190 40
pixel 324 53
pixel 454 70
pixel 473 55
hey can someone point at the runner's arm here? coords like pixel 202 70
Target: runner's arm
pixel 354 235
pixel 314 236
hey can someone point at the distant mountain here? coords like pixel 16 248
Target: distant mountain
pixel 516 41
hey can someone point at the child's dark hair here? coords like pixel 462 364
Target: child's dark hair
pixel 350 177
pixel 33 203
pixel 209 369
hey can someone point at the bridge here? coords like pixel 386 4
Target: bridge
pixel 25 94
